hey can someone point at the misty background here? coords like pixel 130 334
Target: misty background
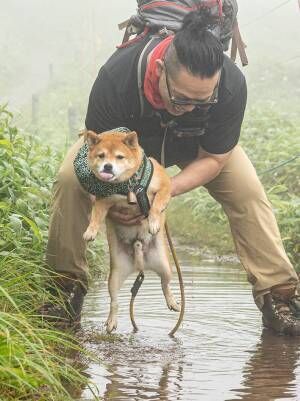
pixel 53 50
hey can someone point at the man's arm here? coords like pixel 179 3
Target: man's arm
pixel 199 172
pixel 222 136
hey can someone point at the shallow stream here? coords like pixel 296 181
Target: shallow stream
pixel 219 353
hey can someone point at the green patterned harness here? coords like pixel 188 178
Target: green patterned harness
pixel 138 183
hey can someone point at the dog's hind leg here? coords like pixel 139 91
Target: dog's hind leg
pixel 113 288
pixel 158 261
pixel 165 274
pixel 121 266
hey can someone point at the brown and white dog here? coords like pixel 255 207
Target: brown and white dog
pixel 115 157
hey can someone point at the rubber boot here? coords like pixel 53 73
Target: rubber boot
pixel 64 308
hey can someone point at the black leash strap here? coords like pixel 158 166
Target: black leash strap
pixel 137 284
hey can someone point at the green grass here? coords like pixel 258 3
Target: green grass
pixel 35 359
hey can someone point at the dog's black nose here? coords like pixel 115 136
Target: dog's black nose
pixel 108 167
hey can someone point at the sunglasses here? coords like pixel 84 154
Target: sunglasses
pixel 213 99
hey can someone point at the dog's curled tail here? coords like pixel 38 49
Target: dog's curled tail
pixel 138 255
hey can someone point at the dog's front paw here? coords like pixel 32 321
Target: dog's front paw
pixel 154 224
pixel 111 324
pixel 90 234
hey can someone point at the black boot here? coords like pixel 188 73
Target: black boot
pixel 64 309
pixel 280 315
pixel 294 304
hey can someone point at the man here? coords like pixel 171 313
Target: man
pixel 186 100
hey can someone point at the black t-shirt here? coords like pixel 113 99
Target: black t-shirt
pixel 114 102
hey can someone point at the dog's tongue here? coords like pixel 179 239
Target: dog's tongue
pixel 106 176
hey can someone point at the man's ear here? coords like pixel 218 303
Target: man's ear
pixel 131 140
pixel 91 138
pixel 159 67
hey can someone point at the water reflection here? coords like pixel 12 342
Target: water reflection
pixel 208 360
pixel 141 389
pixel 270 373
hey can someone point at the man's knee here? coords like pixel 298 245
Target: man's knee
pixel 249 189
pixel 66 176
pixel 238 189
pixel 66 180
pixel 68 190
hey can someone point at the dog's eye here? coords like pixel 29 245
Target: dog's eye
pixel 101 155
pixel 120 157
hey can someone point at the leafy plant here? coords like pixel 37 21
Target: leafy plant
pixel 33 357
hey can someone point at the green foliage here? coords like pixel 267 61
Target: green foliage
pixel 33 362
pixel 27 169
pixel 272 143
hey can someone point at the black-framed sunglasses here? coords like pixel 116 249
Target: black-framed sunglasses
pixel 191 102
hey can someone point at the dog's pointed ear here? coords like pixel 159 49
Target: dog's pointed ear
pixel 131 140
pixel 91 138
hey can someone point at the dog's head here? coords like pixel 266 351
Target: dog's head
pixel 113 156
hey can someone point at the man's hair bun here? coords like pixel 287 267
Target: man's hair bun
pixel 197 43
pixel 199 21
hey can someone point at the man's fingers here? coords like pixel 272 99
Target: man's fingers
pixel 126 219
pixel 123 216
pixel 131 222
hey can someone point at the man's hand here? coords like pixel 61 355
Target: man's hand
pixel 122 216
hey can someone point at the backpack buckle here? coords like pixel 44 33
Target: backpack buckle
pixel 164 32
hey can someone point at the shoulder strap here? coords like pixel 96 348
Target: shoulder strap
pixel 141 69
pixel 237 44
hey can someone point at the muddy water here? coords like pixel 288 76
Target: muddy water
pixel 220 352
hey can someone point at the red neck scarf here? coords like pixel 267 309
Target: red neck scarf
pixel 151 79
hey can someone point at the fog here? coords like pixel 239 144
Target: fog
pixel 72 39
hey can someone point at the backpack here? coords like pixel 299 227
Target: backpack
pixel 154 16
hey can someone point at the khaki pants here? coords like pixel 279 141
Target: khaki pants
pixel 237 188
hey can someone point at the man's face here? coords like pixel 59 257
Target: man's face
pixel 184 87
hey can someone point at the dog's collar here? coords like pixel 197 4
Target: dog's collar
pixel 138 183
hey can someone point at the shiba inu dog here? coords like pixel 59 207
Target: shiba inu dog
pixel 117 161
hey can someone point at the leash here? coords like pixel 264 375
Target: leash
pixel 134 290
pixel 181 286
pixel 140 278
pixel 172 249
pixel 283 163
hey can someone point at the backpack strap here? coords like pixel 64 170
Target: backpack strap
pixel 141 69
pixel 133 26
pixel 238 45
pixel 127 33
